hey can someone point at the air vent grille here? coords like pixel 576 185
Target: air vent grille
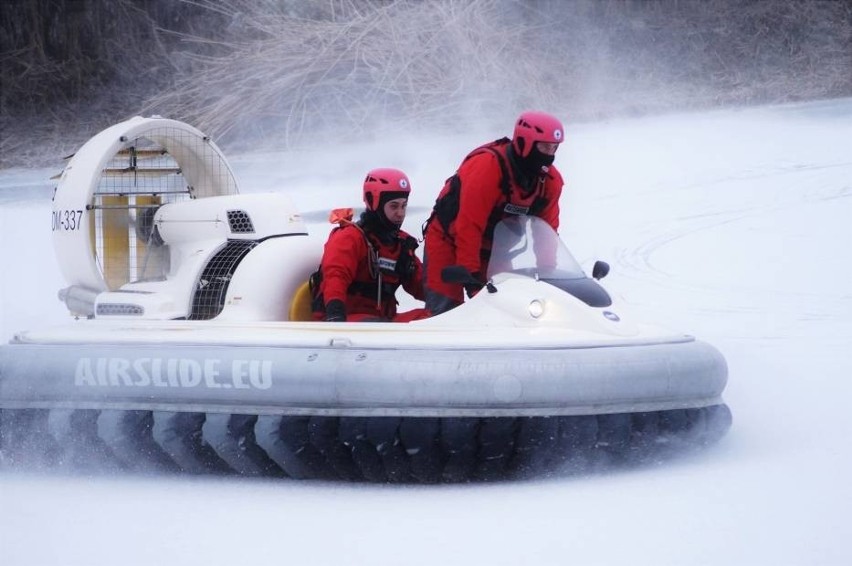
pixel 119 309
pixel 240 222
pixel 209 298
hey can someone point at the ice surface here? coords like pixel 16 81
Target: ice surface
pixel 732 225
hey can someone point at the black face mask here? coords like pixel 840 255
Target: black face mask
pixel 387 221
pixel 527 170
pixel 536 160
pixel 374 221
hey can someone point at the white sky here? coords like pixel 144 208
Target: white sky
pixel 731 225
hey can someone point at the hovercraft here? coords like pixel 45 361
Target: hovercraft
pixel 192 349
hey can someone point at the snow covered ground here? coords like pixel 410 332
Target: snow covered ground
pixel 733 225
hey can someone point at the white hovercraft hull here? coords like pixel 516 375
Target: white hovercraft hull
pixel 191 351
pixel 364 369
pixel 419 402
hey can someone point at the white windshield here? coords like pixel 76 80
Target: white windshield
pixel 528 245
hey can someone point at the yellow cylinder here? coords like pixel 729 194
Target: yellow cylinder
pixel 148 261
pixel 115 244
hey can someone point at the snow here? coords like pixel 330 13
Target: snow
pixel 732 225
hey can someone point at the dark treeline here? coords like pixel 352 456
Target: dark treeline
pixel 283 70
pixel 70 67
pixel 65 52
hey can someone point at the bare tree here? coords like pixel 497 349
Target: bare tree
pixel 284 72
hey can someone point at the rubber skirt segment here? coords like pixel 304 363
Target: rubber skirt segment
pixel 362 449
pixel 232 438
pixel 180 436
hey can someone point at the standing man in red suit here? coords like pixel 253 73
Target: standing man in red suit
pixel 496 180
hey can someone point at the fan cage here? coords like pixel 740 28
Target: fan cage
pixel 137 180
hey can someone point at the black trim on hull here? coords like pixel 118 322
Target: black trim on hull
pixel 372 449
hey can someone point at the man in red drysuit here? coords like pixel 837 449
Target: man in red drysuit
pixel 495 181
pixel 364 262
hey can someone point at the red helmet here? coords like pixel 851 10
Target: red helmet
pixel 532 127
pixel 383 185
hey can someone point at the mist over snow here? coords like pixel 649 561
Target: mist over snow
pixel 732 225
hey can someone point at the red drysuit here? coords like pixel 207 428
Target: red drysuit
pixel 484 190
pixel 351 270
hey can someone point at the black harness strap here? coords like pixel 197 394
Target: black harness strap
pixel 371 290
pixel 447 206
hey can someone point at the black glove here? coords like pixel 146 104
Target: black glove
pixel 335 311
pixel 473 288
pixel 406 265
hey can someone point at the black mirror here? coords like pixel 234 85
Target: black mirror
pixel 600 270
